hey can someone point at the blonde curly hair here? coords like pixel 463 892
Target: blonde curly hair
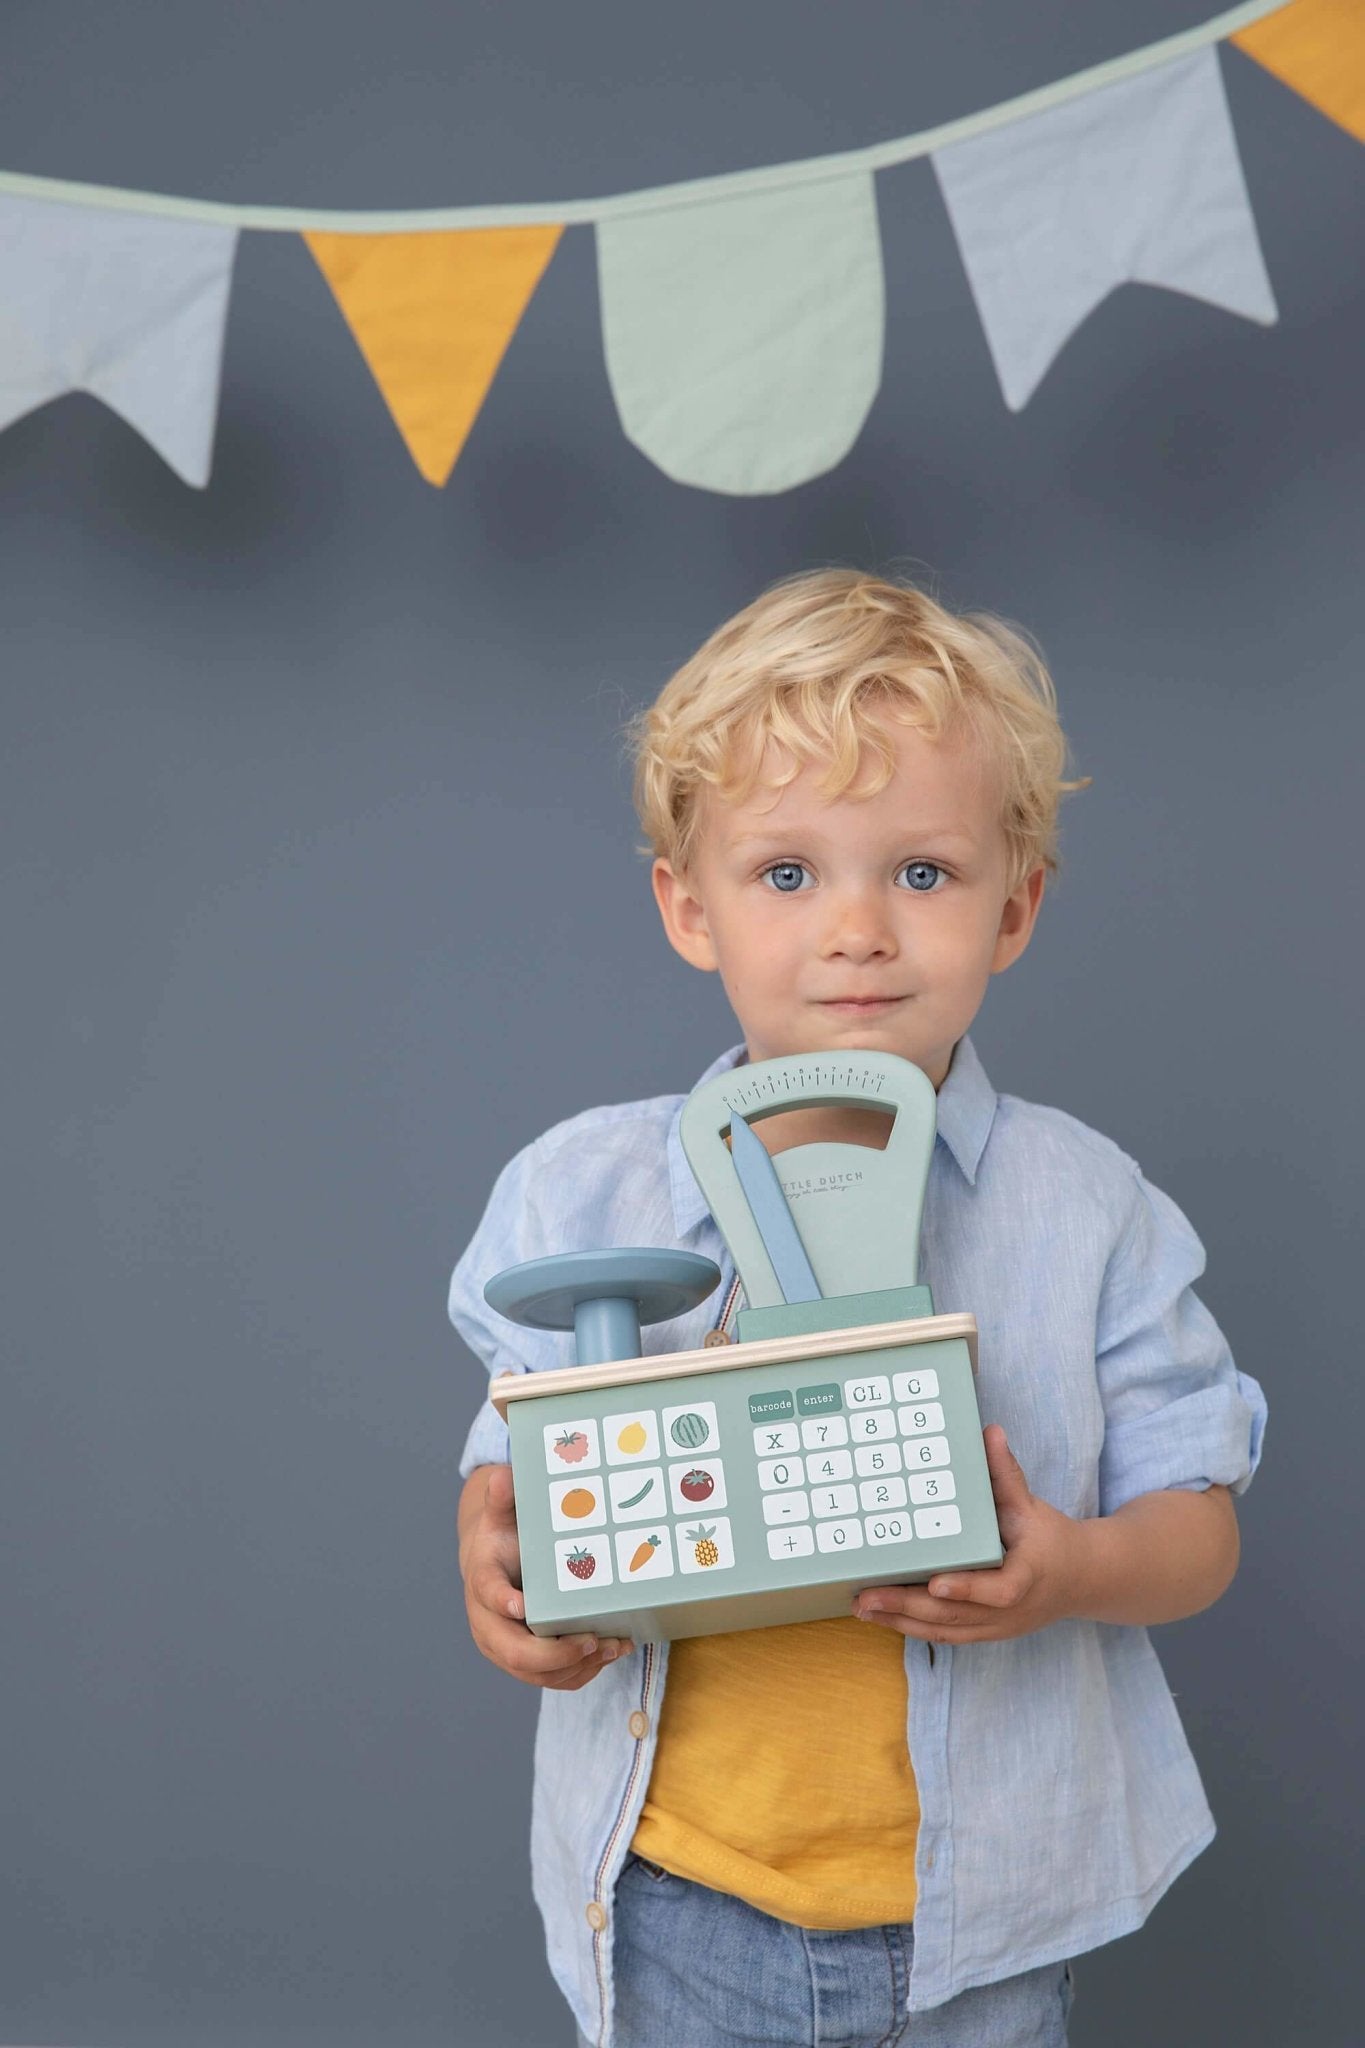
pixel 809 664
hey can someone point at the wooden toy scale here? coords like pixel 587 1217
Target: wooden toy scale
pixel 835 1445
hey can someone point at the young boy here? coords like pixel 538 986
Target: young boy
pixel 902 1823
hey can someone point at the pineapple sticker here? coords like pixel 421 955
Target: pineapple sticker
pixel 705 1546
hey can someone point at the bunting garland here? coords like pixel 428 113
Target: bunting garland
pixel 743 315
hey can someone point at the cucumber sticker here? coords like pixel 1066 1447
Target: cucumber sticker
pixel 635 1498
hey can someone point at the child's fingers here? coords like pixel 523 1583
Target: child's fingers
pixel 994 1586
pixel 489 1585
pixel 565 1662
pixel 499 1500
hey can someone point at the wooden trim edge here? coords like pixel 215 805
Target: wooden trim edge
pixel 672 1365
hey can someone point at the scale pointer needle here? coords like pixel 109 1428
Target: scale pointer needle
pixel 768 1206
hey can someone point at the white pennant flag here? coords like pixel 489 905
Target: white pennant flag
pixel 1138 181
pixel 128 306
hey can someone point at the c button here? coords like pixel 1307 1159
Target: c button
pixel 639 1724
pixel 595 1915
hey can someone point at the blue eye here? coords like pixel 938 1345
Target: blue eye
pixel 784 867
pixel 925 875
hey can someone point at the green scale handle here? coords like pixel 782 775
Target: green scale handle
pixel 857 1210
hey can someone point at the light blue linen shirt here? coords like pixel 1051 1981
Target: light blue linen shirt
pixel 1058 1795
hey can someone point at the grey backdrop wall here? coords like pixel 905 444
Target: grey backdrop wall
pixel 320 900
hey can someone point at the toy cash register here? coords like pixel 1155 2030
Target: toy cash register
pixel 836 1445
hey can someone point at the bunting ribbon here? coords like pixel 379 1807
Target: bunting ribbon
pixel 742 315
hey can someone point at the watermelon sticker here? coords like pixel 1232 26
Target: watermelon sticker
pixel 691 1428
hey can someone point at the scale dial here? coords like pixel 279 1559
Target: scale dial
pixel 857 1210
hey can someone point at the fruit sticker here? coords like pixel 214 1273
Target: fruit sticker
pixel 638 1496
pixel 571 1446
pixel 691 1428
pixel 698 1485
pixel 577 1503
pixel 705 1545
pixel 632 1438
pixel 585 1562
pixel 644 1555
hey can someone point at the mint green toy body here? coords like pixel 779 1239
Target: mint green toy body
pixel 835 1445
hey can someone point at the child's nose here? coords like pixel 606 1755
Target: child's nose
pixel 860 924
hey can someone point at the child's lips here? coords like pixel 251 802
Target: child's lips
pixel 861 1005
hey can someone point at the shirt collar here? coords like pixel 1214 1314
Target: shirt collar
pixel 966 1110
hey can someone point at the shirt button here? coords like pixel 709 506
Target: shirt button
pixel 595 1915
pixel 929 1862
pixel 639 1724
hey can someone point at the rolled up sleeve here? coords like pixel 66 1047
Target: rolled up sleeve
pixel 508 1232
pixel 1178 1412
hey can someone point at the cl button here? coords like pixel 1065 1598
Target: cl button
pixel 595 1915
pixel 639 1724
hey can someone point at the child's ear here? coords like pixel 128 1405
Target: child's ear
pixel 684 917
pixel 1017 919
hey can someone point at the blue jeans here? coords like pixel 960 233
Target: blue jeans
pixel 695 1968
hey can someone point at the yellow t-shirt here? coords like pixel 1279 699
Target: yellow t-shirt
pixel 781 1773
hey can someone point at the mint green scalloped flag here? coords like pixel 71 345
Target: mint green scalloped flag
pixel 744 336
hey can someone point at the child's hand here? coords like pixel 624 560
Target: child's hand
pixel 1039 1582
pixel 490 1564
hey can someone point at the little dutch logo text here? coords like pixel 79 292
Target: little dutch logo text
pixel 821 1184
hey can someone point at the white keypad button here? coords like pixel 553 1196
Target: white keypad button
pixel 824 1431
pixel 707 1533
pixel 631 1438
pixel 644 1554
pixel 698 1488
pixel 638 1496
pixel 835 1536
pixel 874 1428
pixel 571 1446
pixel 785 1507
pixel 691 1428
pixel 925 1450
pixel 915 1386
pixel 578 1503
pixel 877 1458
pixel 882 1493
pixel 828 1465
pixel 834 1500
pixel 887 1528
pixel 920 1419
pixel 790 1543
pixel 867 1393
pixel 776 1472
pixel 770 1438
pixel 937 1522
pixel 932 1486
pixel 580 1566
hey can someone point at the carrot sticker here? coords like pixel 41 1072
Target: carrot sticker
pixel 644 1553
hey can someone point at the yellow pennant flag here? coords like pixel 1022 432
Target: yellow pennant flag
pixel 1316 47
pixel 433 314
